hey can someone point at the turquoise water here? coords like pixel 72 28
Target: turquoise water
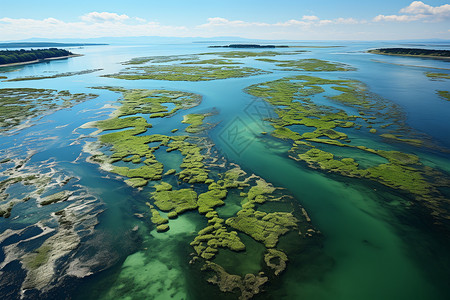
pixel 374 245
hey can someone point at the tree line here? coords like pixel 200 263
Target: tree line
pixel 412 51
pixel 17 56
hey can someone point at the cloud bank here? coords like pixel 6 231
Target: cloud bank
pixel 112 24
pixel 418 10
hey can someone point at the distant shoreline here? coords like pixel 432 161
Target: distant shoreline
pixel 252 46
pixel 39 60
pixel 377 51
pixel 46 45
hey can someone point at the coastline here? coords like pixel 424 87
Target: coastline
pixel 39 60
pixel 409 55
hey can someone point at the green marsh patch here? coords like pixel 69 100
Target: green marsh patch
pixel 309 65
pixel 67 74
pixel 185 73
pixel 196 184
pixel 326 146
pixel 18 105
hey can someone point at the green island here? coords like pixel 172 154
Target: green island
pixel 201 184
pixel 216 61
pixel 321 139
pixel 18 105
pixel 444 95
pixel 437 75
pixel 251 46
pixel 440 76
pixel 195 121
pixel 26 56
pixel 412 52
pixel 160 59
pixel 244 54
pixel 309 65
pixel 195 59
pixel 185 73
pixel 67 74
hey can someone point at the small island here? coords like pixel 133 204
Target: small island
pixel 22 56
pixel 412 52
pixel 250 46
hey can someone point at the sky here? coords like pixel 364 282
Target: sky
pixel 254 19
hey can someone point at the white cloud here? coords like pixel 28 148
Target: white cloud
pixel 418 10
pixel 418 7
pixel 15 29
pixel 96 17
pixel 304 22
pixel 103 24
pixel 346 21
pixel 222 22
pixel 310 18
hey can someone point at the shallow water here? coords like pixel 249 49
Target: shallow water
pixel 374 244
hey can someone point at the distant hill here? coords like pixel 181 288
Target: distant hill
pixel 45 45
pixel 412 52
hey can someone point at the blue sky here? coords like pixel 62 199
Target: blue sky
pixel 281 19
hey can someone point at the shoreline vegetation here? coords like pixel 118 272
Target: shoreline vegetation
pixel 445 54
pixel 21 57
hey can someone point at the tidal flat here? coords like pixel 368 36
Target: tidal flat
pixel 256 174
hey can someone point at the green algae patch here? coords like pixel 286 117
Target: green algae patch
pixel 202 185
pixel 162 228
pixel 178 201
pixel 437 75
pixel 256 192
pixel 214 236
pixel 317 143
pixel 54 198
pixel 195 121
pixel 170 172
pixel 156 216
pixel 18 106
pixel 245 54
pixel 249 285
pixel 67 74
pixel 38 258
pixel 185 72
pixel 413 142
pixel 212 198
pixel 152 102
pixel 216 61
pixel 444 95
pixel 160 59
pixel 163 186
pixel 276 260
pixel 136 182
pixel 17 175
pixel 310 65
pixel 263 227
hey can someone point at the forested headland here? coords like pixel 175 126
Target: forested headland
pixel 412 52
pixel 21 56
